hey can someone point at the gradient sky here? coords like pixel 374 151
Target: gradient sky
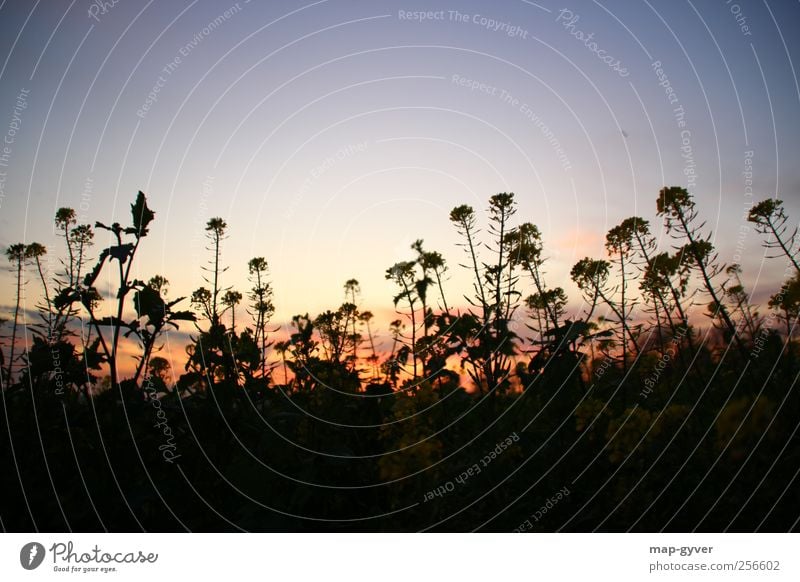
pixel 332 134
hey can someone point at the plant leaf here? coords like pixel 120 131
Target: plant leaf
pixel 121 252
pixel 142 216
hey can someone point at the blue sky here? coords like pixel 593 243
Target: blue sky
pixel 332 134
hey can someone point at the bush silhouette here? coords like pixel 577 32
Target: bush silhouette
pixel 650 418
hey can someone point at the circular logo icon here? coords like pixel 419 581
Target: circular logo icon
pixel 31 555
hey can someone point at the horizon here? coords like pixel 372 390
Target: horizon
pixel 173 343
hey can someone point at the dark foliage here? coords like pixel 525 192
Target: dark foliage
pixel 475 419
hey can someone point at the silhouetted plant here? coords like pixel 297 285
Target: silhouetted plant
pixel 592 277
pixel 390 449
pixel 216 232
pixel 159 367
pixel 51 337
pixel 350 306
pixel 490 345
pixel 334 331
pixel 620 247
pixel 464 218
pixel 283 348
pixel 35 251
pixel 16 256
pixel 433 346
pixel 500 275
pixel 677 207
pixel 64 221
pixel 304 350
pixel 77 240
pixel 787 300
pixel 365 317
pixel 50 353
pixel 751 321
pixel 154 316
pixel 432 262
pixel 403 275
pixel 230 299
pixel 770 220
pixel 201 300
pixel 657 282
pixel 421 286
pixel 261 306
pixel 218 356
pixel 392 367
pixel 546 305
pixel 123 253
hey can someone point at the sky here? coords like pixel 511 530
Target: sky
pixel 332 134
